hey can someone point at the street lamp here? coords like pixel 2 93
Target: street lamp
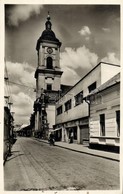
pixel 10 105
pixel 6 100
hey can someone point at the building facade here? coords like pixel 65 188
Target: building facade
pixel 48 78
pixel 8 129
pixel 104 119
pixel 72 112
pixel 6 132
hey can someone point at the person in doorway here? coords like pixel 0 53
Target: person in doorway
pixel 71 137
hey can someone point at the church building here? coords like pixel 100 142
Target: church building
pixel 48 78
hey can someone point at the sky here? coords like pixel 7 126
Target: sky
pixel 89 34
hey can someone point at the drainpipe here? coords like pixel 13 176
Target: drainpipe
pixel 88 102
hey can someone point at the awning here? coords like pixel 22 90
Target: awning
pixel 53 130
pixel 57 129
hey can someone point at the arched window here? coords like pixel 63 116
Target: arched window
pixel 49 63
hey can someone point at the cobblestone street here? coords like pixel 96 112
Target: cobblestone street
pixel 35 165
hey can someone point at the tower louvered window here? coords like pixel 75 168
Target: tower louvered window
pixel 49 63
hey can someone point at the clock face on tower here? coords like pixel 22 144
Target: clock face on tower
pixel 49 50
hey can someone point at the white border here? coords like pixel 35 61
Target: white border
pixel 63 2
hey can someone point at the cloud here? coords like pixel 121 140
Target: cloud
pixel 15 89
pixel 111 58
pixel 23 73
pixel 19 13
pixel 69 76
pixel 74 61
pixel 81 57
pixel 106 29
pixel 21 100
pixel 23 107
pixel 85 31
pixel 87 38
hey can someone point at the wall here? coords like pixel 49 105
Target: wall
pixel 81 110
pixel 108 71
pixel 107 103
pixel 42 82
pixel 51 115
pixel 57 82
pixel 6 132
pixel 101 73
pixel 43 54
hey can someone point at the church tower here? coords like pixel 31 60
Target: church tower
pixel 48 72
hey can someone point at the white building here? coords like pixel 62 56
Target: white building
pixel 104 118
pixel 72 112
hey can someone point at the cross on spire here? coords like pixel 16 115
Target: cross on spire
pixel 48 17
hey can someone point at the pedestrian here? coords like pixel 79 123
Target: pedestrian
pixel 52 139
pixel 71 137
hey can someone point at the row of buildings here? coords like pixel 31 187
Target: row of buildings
pixel 8 137
pixel 90 109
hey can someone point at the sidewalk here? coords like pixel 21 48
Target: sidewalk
pixel 85 150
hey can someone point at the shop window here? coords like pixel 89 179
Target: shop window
pixel 79 98
pixel 102 124
pixel 59 110
pixel 92 87
pixel 68 105
pixel 49 87
pixel 118 122
pixel 49 63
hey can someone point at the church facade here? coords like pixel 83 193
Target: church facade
pixel 48 78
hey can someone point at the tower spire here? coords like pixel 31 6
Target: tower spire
pixel 48 22
pixel 48 16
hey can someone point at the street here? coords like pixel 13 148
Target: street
pixel 35 165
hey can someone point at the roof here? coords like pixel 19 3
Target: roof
pixel 113 81
pixel 23 126
pixel 47 35
pixel 65 88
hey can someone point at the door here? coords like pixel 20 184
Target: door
pixel 84 134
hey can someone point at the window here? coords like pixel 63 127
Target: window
pixel 118 122
pixel 92 87
pixel 59 110
pixel 79 98
pixel 102 124
pixel 68 105
pixel 49 63
pixel 49 87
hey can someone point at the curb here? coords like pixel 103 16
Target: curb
pixel 105 157
pixel 89 153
